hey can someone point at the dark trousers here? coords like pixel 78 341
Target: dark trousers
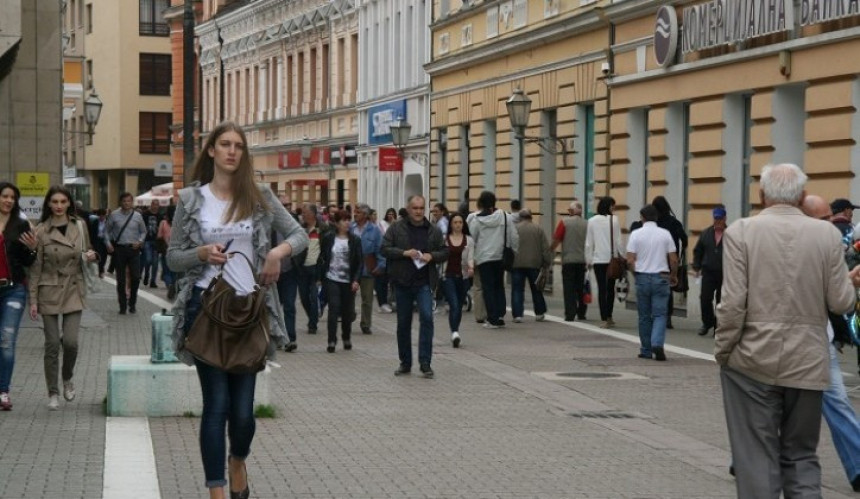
pixel 124 257
pixel 341 305
pixel 288 286
pixel 100 248
pixel 493 285
pixel 573 283
pixel 605 290
pixel 309 294
pixel 711 284
pixel 380 285
pixel 406 297
pixel 773 432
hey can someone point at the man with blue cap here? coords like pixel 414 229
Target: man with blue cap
pixel 708 264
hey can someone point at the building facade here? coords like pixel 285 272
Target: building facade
pixel 392 85
pixel 30 97
pixel 287 72
pixel 702 98
pixel 482 51
pixel 175 16
pixel 127 61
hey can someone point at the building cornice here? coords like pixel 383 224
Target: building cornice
pixel 404 94
pixel 586 58
pixel 328 141
pixel 526 40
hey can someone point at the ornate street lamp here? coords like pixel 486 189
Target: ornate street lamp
pixel 92 112
pixel 519 107
pixel 400 132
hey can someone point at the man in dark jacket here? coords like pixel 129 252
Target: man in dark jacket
pixel 413 247
pixel 708 264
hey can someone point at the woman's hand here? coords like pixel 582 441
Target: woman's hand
pixel 212 254
pixel 271 268
pixel 354 286
pixel 469 272
pixel 34 311
pixel 28 239
pixel 91 255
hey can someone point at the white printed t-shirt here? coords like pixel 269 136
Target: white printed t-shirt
pixel 213 230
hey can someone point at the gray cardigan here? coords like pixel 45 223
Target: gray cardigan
pixel 185 238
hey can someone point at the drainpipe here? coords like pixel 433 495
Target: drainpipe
pixel 188 90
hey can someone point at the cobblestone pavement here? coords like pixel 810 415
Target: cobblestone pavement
pixel 492 424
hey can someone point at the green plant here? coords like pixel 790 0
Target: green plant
pixel 188 414
pixel 265 411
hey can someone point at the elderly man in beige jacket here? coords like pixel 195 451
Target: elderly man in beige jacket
pixel 782 272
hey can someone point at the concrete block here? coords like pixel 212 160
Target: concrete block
pixel 137 387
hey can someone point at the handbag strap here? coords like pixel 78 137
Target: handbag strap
pixel 505 241
pixel 611 238
pixel 221 271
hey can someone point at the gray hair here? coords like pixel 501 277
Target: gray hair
pixel 782 183
pixel 363 207
pixel 576 206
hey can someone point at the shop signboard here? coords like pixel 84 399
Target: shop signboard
pixel 380 118
pixel 390 160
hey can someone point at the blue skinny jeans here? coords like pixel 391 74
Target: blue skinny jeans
pixel 13 300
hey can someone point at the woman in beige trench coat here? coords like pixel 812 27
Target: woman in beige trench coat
pixel 57 287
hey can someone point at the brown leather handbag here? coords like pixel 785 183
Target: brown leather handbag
pixel 617 264
pixel 231 332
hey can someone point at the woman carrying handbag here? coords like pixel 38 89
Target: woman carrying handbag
pixel 57 287
pixel 222 208
pixel 602 243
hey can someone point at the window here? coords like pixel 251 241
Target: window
pixel 155 133
pixel 155 74
pixel 89 75
pixel 151 19
pixel 89 18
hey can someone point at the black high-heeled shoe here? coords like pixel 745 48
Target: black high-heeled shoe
pixel 244 494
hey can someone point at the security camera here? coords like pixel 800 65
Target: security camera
pixel 604 68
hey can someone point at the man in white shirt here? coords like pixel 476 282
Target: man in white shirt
pixel 651 255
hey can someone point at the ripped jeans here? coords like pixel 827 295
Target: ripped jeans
pixel 13 300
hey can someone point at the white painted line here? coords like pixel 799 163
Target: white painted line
pixel 146 295
pixel 626 337
pixel 129 471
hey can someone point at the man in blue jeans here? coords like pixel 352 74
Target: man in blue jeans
pixel 651 255
pixel 836 406
pixel 413 248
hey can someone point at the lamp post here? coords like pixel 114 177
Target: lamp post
pixel 519 107
pixel 92 112
pixel 400 132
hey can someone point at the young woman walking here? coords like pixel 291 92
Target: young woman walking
pixel 457 270
pixel 340 268
pixel 57 287
pixel 224 206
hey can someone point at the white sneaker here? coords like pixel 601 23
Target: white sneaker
pixel 385 308
pixel 518 319
pixel 455 339
pixel 540 318
pixel 487 325
pixel 53 402
pixel 68 390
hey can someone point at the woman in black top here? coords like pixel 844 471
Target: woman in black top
pixel 18 250
pixel 340 266
pixel 666 220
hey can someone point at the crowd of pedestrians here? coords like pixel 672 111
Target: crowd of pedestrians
pixel 777 316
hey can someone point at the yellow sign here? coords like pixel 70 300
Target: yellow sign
pixel 33 184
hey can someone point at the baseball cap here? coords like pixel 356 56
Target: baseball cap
pixel 719 212
pixel 842 204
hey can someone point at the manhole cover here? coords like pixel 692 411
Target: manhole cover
pixel 587 375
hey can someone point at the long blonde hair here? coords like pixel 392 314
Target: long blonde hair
pixel 246 195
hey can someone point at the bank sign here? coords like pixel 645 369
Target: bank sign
pixel 721 22
pixel 380 118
